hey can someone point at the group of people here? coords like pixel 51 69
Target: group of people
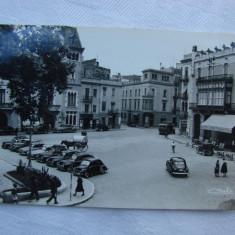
pixel 223 170
pixel 53 186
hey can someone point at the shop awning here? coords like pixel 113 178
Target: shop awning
pixel 221 123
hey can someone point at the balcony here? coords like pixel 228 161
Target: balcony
pixel 175 111
pixel 219 108
pixel 183 114
pixel 87 99
pixel 113 111
pixel 228 78
pixel 183 96
pixel 54 108
pixel 6 106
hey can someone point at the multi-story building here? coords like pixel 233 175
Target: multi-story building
pixel 99 97
pixel 148 102
pixel 212 93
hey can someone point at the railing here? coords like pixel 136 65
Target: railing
pixel 87 98
pixel 6 106
pixel 113 111
pixel 54 108
pixel 221 77
pixel 183 114
pixel 210 107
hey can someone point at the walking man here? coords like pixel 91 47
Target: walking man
pixel 53 192
pixel 79 187
pixel 173 147
pixel 217 169
pixel 14 194
pixel 34 189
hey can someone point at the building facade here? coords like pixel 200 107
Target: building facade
pixel 149 101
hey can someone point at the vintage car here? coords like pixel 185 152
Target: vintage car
pixel 166 128
pixel 177 166
pixel 90 167
pixel 16 146
pixel 38 144
pixel 68 154
pixel 206 149
pixel 42 157
pixel 41 129
pixel 16 139
pixel 102 127
pixel 65 129
pixel 131 124
pixel 68 165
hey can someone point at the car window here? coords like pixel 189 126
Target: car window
pixel 180 164
pixel 85 163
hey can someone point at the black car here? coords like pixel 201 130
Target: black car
pixel 16 146
pixel 24 151
pixel 166 128
pixel 42 157
pixel 16 139
pixel 65 129
pixel 90 167
pixel 131 124
pixel 68 165
pixel 41 129
pixel 177 166
pixel 102 127
pixel 206 149
pixel 69 154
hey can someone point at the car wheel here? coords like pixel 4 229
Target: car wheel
pixel 86 175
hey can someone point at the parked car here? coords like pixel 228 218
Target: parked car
pixel 206 149
pixel 42 157
pixel 68 165
pixel 69 154
pixel 90 167
pixel 35 145
pixel 177 166
pixel 166 128
pixel 41 129
pixel 6 144
pixel 45 148
pixel 65 129
pixel 14 147
pixel 102 127
pixel 131 124
pixel 7 130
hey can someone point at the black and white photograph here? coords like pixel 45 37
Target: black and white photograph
pixel 96 117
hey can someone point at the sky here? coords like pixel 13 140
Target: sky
pixel 130 51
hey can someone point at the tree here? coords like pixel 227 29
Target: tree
pixel 36 64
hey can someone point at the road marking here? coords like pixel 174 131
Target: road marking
pixel 221 191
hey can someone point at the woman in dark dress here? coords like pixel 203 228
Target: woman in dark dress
pixel 79 187
pixel 217 169
pixel 224 168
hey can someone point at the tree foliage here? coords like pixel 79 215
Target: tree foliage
pixel 34 61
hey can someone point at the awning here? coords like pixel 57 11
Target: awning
pixel 219 122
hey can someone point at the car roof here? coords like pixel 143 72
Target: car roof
pixel 177 159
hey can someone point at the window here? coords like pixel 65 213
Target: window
pixel 138 105
pixel 94 109
pixel 86 108
pixel 163 106
pixel 186 73
pixel 130 93
pixel 122 93
pixel 113 91
pixel 104 91
pixel 72 77
pixel 165 78
pixel 145 76
pixel 71 99
pixel 154 76
pixel 2 96
pixel 126 93
pixel 71 118
pixel 164 93
pixel 112 105
pixel 210 71
pixel 135 102
pixel 95 93
pixel 139 93
pixel 103 106
pixel 145 91
pixel 129 104
pixel 135 92
pixel 226 68
pixel 199 71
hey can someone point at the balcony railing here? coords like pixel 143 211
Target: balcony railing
pixel 183 114
pixel 113 111
pixel 54 108
pixel 6 106
pixel 225 107
pixel 222 77
pixel 87 98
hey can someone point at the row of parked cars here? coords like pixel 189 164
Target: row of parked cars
pixel 58 156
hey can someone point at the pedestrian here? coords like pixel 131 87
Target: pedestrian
pixel 217 169
pixel 233 145
pixel 173 147
pixel 79 187
pixel 224 168
pixel 14 194
pixel 53 192
pixel 34 189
